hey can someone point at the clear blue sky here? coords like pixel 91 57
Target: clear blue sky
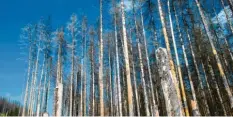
pixel 14 14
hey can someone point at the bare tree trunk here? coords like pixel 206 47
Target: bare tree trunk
pixel 92 74
pixel 220 68
pixel 39 89
pixel 134 78
pixel 127 67
pixel 155 107
pixel 119 105
pixel 28 79
pixel 116 89
pixel 110 78
pixel 31 89
pixel 32 92
pixel 80 112
pixel 59 85
pixel 44 88
pixel 84 68
pixel 186 110
pixel 168 86
pixel 169 51
pixel 101 87
pixel 72 72
pixel 141 67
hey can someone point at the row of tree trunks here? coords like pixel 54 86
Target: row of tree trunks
pixel 211 38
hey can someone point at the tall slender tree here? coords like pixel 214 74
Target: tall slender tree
pixel 101 87
pixel 126 57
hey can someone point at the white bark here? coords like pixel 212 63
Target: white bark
pixel 27 85
pixel 101 87
pixel 126 56
pixel 134 78
pixel 72 74
pixel 44 89
pixel 117 63
pixel 59 86
pixel 31 89
pixel 59 102
pixel 39 89
pixel 168 86
pixel 110 79
pixel 80 112
pixel 33 86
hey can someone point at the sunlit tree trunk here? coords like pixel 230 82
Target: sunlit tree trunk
pixel 127 67
pixel 80 110
pixel 119 103
pixel 92 98
pixel 116 112
pixel 183 94
pixel 33 89
pixel 168 87
pixel 162 18
pixel 101 87
pixel 29 33
pixel 110 77
pixel 72 30
pixel 84 65
pixel 39 88
pixel 134 74
pixel 46 86
pixel 59 84
pixel 220 68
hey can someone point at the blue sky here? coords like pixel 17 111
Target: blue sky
pixel 15 14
